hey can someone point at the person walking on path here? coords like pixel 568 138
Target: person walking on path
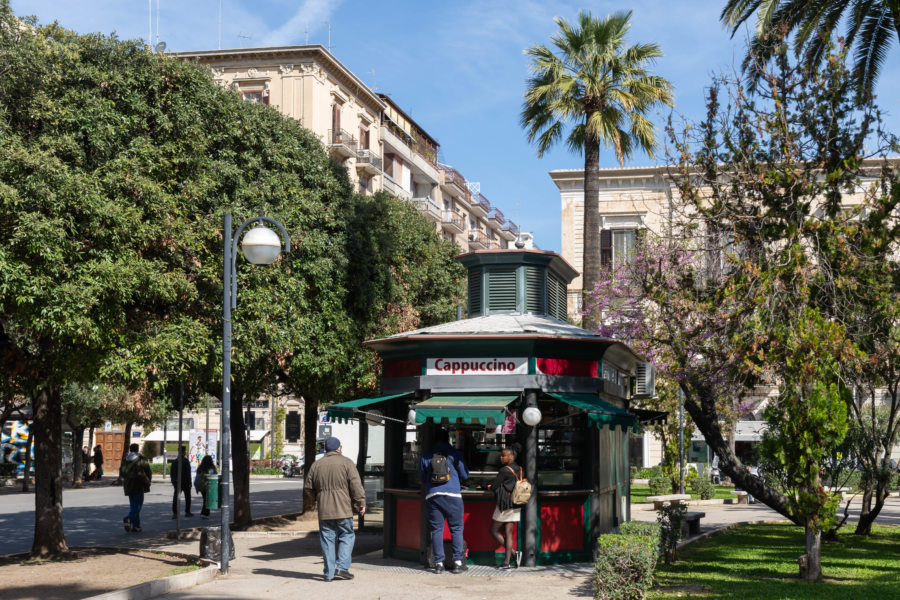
pixel 136 475
pixel 506 514
pixel 441 469
pixel 207 467
pixel 338 490
pixel 98 462
pixel 181 486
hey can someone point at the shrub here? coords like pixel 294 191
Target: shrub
pixel 632 473
pixel 265 470
pixel 156 468
pixel 670 518
pixel 624 566
pixel 702 487
pixel 646 528
pixel 660 485
pixel 649 473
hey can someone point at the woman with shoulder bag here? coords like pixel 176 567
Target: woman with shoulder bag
pixel 207 467
pixel 506 514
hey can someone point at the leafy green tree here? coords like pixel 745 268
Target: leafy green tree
pixel 591 79
pixel 870 25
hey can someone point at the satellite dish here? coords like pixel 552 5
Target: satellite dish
pixel 160 47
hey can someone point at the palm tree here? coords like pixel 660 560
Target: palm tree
pixel 592 80
pixel 870 25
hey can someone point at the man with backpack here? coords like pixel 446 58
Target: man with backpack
pixel 441 469
pixel 136 475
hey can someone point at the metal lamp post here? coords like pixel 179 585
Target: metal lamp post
pixel 261 246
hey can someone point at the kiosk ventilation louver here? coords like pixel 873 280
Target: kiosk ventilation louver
pixel 645 380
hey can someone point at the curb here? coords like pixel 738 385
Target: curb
pixel 194 532
pixel 721 530
pixel 158 587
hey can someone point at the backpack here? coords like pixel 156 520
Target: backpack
pixel 440 469
pixel 522 491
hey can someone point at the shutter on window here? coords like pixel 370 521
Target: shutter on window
pixel 534 290
pixel 474 292
pixel 556 298
pixel 605 246
pixel 502 290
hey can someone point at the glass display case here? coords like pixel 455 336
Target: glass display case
pixel 561 449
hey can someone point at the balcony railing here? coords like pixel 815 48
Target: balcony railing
pixel 369 157
pixel 429 207
pixel 451 175
pixel 497 216
pixel 511 227
pixel 342 140
pixel 451 220
pixel 482 202
pixel 477 239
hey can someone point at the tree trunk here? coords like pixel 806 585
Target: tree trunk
pixel 705 417
pixel 28 445
pixel 49 538
pixel 591 252
pixel 125 444
pixel 813 571
pixel 77 458
pixel 240 457
pixel 310 432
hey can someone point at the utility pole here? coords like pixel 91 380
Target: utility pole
pixel 680 441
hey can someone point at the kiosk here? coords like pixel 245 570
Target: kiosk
pixel 513 372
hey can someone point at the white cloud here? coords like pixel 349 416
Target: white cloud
pixel 312 14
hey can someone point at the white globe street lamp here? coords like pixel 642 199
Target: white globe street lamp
pixel 261 246
pixel 531 416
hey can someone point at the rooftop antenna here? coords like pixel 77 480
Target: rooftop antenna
pixel 149 22
pixel 244 38
pixel 306 31
pixel 220 24
pixel 374 81
pixel 329 36
pixel 157 22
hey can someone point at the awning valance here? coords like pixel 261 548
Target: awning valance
pixel 649 416
pixel 471 408
pixel 600 412
pixel 347 410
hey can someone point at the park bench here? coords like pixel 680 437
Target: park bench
pixel 839 491
pixel 743 497
pixel 660 501
pixel 692 522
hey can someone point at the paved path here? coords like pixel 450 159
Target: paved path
pixel 92 516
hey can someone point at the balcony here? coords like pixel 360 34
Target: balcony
pixel 478 240
pixel 452 222
pixel 368 162
pixel 429 208
pixel 510 231
pixel 497 217
pixel 453 179
pixel 394 189
pixel 479 205
pixel 342 143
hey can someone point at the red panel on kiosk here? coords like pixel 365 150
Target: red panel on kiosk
pixel 566 367
pixel 562 526
pixel 408 525
pixel 403 368
pixel 477 527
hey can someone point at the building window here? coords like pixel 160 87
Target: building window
pixel 617 246
pixel 336 121
pixel 255 96
pixel 363 138
pixel 363 185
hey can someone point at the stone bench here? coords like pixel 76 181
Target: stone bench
pixel 838 491
pixel 692 522
pixel 743 497
pixel 660 501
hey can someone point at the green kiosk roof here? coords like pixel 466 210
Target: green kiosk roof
pixel 600 412
pixel 470 408
pixel 347 410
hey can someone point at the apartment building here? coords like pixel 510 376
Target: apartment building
pixel 381 146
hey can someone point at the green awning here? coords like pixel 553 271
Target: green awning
pixel 471 408
pixel 347 410
pixel 600 412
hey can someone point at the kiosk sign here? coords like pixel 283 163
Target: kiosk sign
pixel 477 366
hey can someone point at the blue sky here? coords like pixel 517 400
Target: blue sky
pixel 456 67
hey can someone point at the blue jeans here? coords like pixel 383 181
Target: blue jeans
pixel 135 502
pixel 342 529
pixel 449 508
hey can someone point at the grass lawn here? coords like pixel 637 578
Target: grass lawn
pixel 639 493
pixel 760 561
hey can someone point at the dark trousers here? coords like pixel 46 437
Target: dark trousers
pixel 205 510
pixel 187 501
pixel 135 502
pixel 449 508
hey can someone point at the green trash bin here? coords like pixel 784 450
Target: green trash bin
pixel 212 492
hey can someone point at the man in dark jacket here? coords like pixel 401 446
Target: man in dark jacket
pixel 136 475
pixel 339 492
pixel 185 483
pixel 444 502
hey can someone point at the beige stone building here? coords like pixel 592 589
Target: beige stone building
pixel 381 146
pixel 632 199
